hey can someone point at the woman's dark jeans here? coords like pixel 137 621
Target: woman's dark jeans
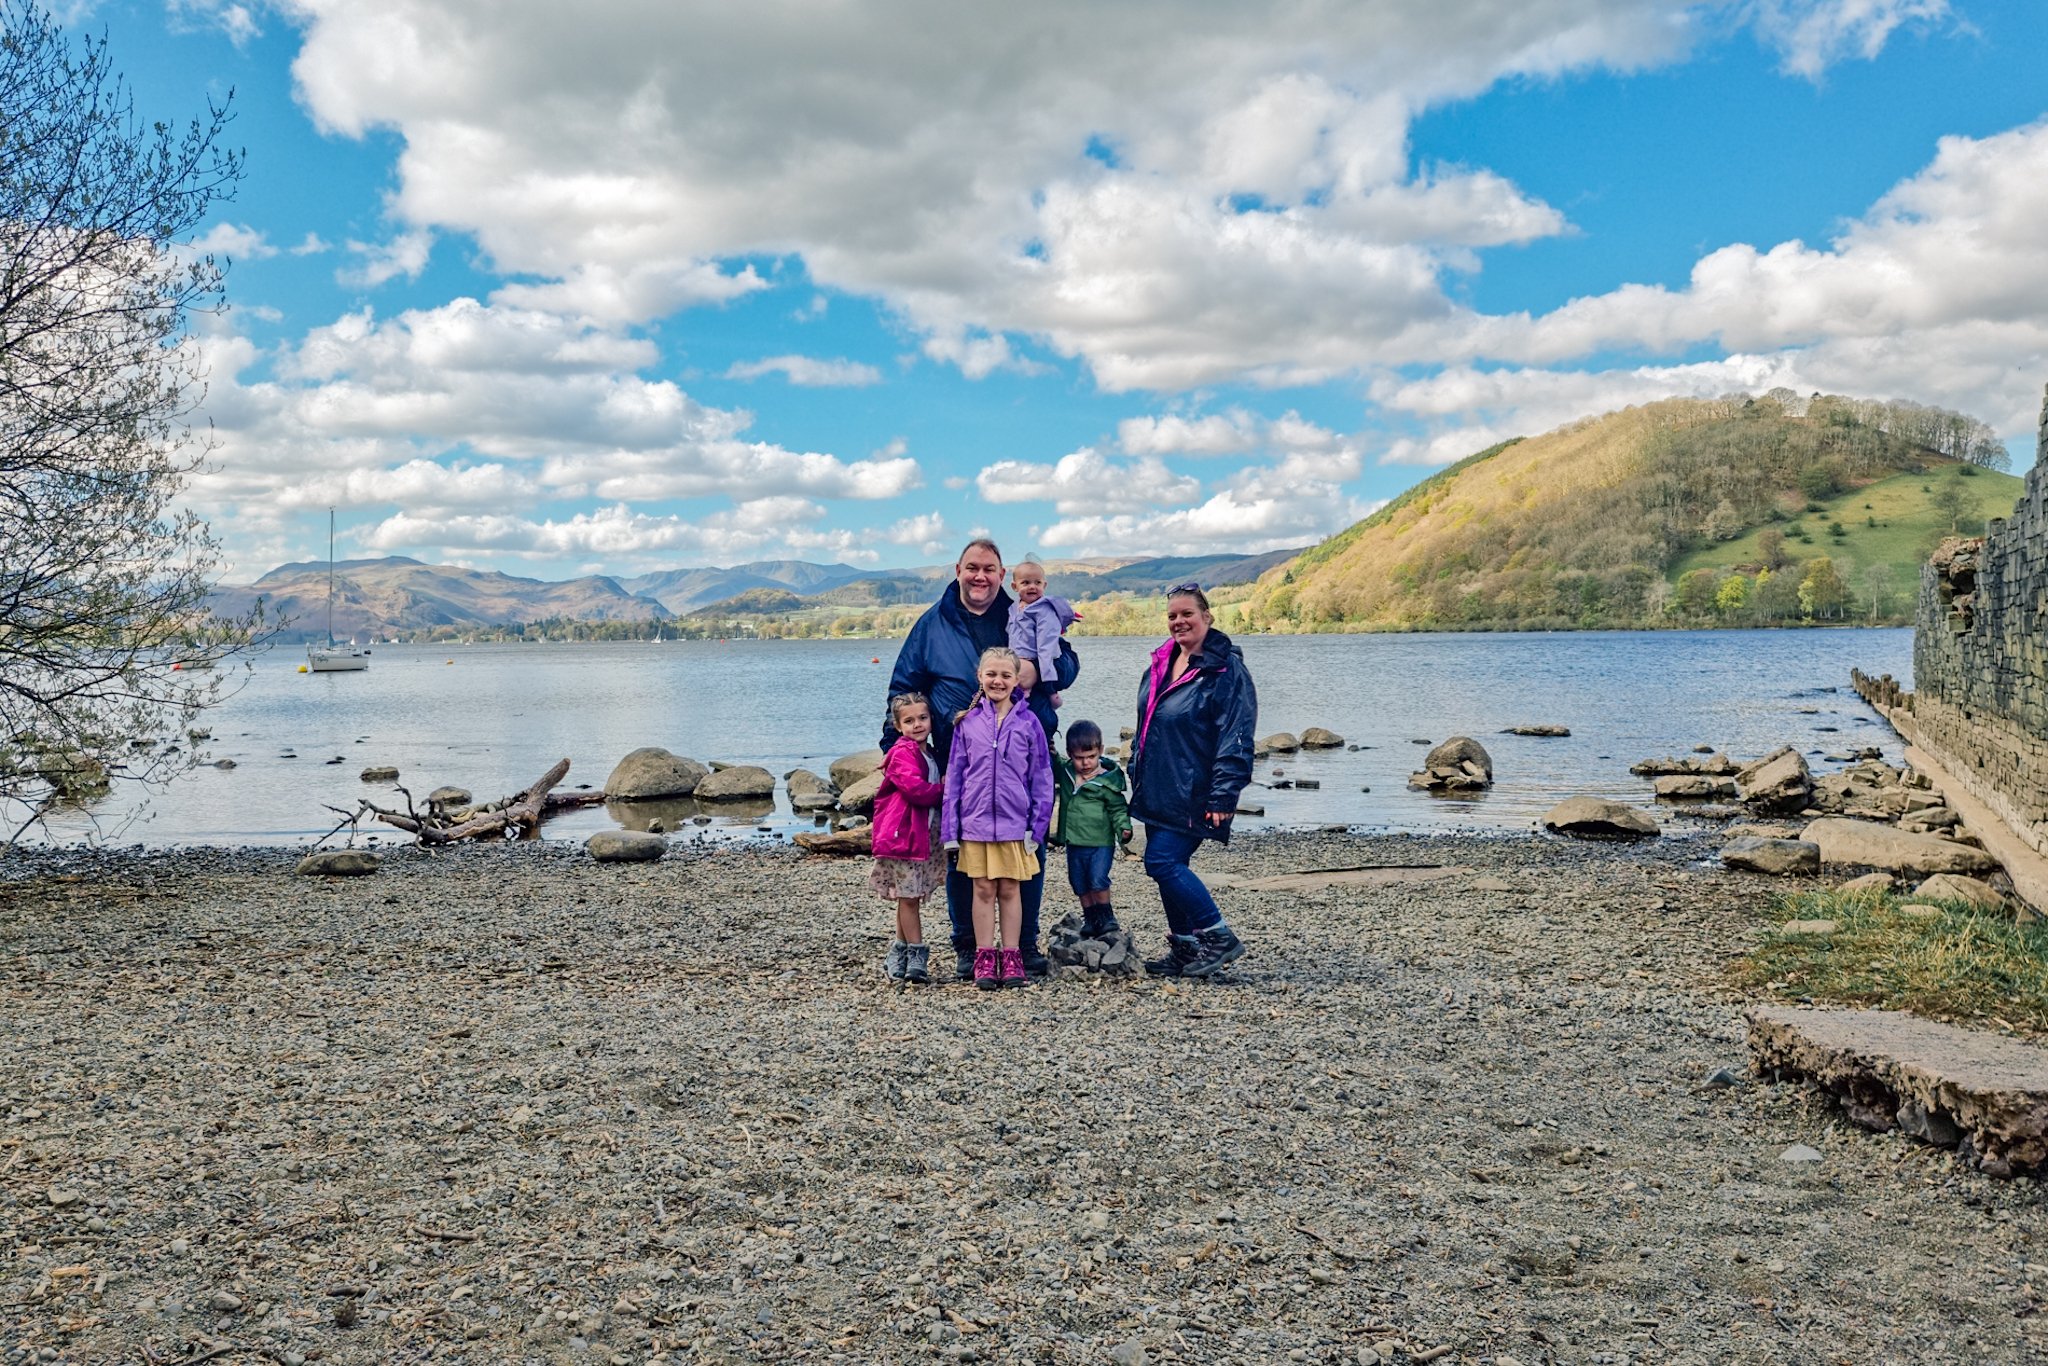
pixel 1189 907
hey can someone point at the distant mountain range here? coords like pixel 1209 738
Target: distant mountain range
pixel 384 597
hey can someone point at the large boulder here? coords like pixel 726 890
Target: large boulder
pixel 1459 764
pixel 1870 845
pixel 339 863
pixel 849 769
pixel 1780 781
pixel 1279 742
pixel 1315 737
pixel 1595 818
pixel 653 772
pixel 1955 887
pixel 860 795
pixel 809 792
pixel 1779 858
pixel 738 783
pixel 626 846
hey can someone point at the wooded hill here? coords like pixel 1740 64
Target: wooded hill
pixel 1598 523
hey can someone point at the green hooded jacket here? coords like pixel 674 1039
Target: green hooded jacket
pixel 1095 814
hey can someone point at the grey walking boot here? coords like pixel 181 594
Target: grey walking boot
pixel 916 960
pixel 1180 948
pixel 892 964
pixel 1215 949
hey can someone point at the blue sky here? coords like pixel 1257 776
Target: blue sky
pixel 611 288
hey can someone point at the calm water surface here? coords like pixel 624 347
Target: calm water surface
pixel 493 718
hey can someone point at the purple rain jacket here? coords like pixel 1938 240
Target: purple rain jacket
pixel 999 778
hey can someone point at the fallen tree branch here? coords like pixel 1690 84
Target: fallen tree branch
pixel 516 817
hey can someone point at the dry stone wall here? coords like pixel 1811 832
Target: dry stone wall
pixel 1980 659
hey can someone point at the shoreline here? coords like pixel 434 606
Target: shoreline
pixel 510 1104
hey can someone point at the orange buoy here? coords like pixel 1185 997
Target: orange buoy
pixel 876 660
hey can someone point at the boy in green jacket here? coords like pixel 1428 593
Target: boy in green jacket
pixel 1095 817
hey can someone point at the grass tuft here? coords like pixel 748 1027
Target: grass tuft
pixel 1964 966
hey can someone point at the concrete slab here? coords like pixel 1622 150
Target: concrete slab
pixel 1982 1094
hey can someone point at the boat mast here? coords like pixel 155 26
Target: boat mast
pixel 330 578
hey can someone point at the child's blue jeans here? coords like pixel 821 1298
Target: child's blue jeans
pixel 1088 867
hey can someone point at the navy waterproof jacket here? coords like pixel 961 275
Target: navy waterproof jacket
pixel 942 656
pixel 1193 751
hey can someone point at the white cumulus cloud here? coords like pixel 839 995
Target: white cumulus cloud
pixel 809 371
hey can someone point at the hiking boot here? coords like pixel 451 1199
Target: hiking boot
pixel 892 961
pixel 1215 949
pixel 916 958
pixel 1013 969
pixel 1035 963
pixel 1098 922
pixel 1180 950
pixel 988 969
pixel 963 963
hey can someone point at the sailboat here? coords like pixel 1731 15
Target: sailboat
pixel 332 658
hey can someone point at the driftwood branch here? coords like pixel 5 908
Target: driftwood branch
pixel 515 817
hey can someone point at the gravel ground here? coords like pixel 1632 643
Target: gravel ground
pixel 501 1104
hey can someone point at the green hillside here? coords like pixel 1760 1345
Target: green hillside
pixel 1887 528
pixel 1648 516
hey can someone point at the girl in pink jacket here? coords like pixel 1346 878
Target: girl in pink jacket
pixel 910 864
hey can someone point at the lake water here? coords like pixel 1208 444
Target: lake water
pixel 493 718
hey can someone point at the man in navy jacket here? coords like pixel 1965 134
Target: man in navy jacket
pixel 941 658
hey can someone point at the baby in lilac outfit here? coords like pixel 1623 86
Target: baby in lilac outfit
pixel 1037 621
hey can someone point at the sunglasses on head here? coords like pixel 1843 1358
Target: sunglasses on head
pixel 1189 587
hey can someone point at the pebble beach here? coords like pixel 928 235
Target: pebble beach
pixel 1467 1100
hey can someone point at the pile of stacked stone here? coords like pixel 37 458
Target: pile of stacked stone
pixel 1115 953
pixel 1459 764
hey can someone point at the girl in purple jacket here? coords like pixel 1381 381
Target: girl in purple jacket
pixel 909 865
pixel 998 803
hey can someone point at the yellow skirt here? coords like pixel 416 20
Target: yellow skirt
pixel 1003 858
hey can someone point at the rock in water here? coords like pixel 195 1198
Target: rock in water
pixel 1546 732
pixel 652 772
pixel 339 863
pixel 1779 858
pixel 626 846
pixel 849 769
pixel 379 773
pixel 449 798
pixel 736 783
pixel 1780 781
pixel 1595 818
pixel 860 794
pixel 1459 764
pixel 1868 844
pixel 1279 742
pixel 1692 787
pixel 1315 737
pixel 1955 887
pixel 809 792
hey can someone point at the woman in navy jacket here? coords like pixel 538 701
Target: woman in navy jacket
pixel 1197 711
